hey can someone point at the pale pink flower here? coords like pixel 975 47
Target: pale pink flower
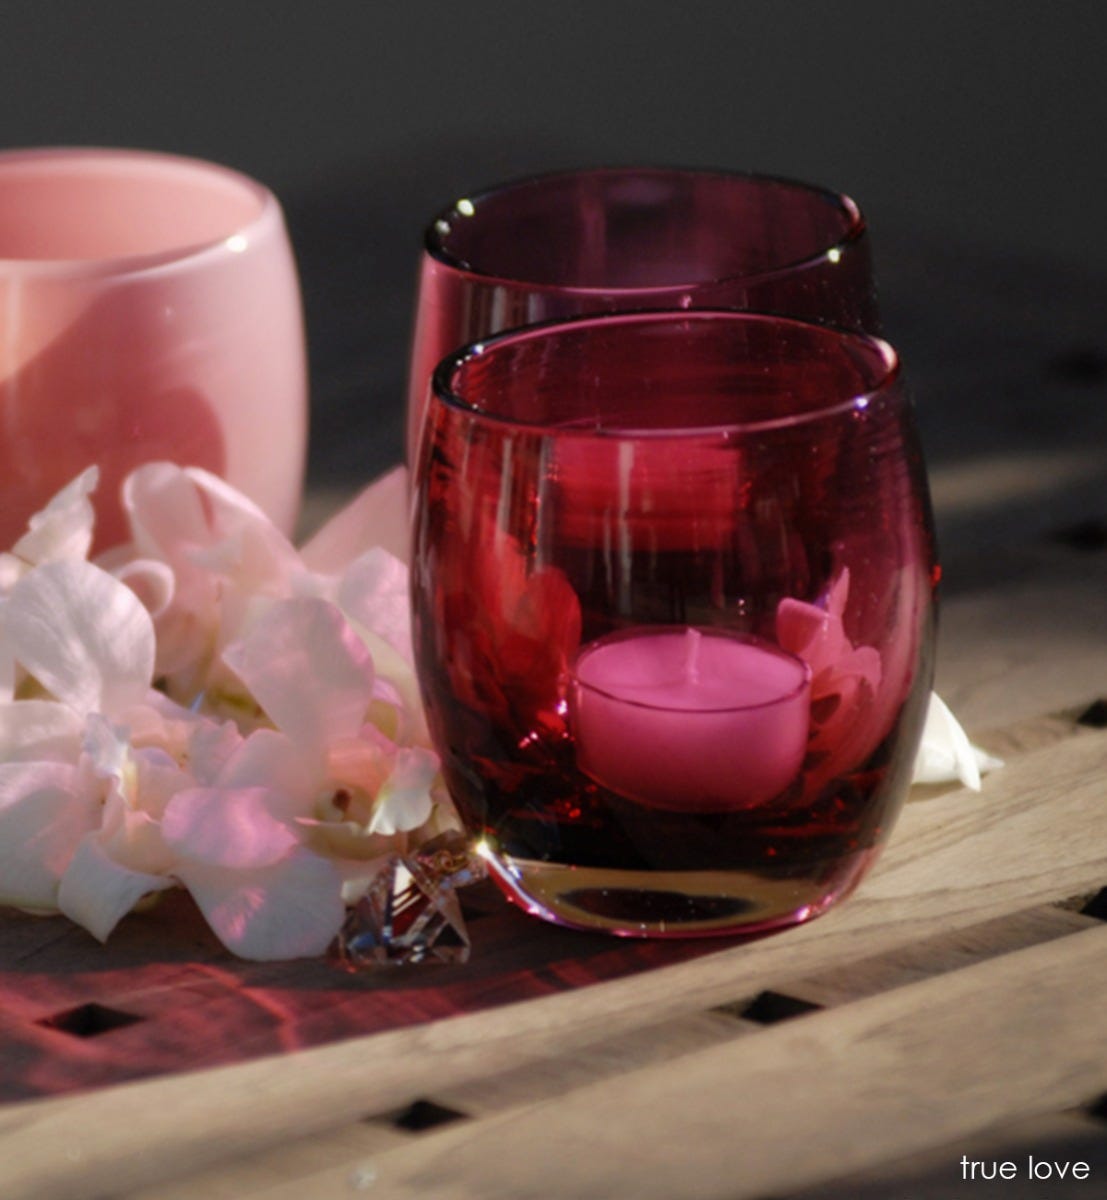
pixel 224 554
pixel 87 644
pixel 310 670
pixel 45 811
pixel 267 848
pixel 238 852
pixel 845 683
pixel 61 530
pixel 110 791
pixel 125 857
pixel 229 562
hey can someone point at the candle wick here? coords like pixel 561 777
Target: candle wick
pixel 692 641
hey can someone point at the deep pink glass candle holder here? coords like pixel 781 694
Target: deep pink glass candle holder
pixel 673 584
pixel 620 239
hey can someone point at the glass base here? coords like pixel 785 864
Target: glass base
pixel 666 904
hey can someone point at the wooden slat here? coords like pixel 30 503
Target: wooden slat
pixel 298 1159
pixel 669 1041
pixel 664 1043
pixel 620 1053
pixel 1033 836
pixel 937 1174
pixel 912 1068
pixel 548 1078
pixel 938 955
pixel 1019 651
pixel 614 1055
pixel 199 1007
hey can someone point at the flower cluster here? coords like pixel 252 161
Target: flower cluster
pixel 207 707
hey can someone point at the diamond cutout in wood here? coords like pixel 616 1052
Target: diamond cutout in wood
pixel 770 1007
pixel 89 1020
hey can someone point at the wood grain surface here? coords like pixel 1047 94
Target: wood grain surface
pixel 910 1068
pixel 955 861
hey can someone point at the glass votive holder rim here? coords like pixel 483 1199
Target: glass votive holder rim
pixel 438 230
pixel 883 356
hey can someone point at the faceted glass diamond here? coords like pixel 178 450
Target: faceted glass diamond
pixel 411 913
pixel 448 859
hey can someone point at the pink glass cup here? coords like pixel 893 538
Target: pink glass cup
pixel 629 238
pixel 673 585
pixel 149 309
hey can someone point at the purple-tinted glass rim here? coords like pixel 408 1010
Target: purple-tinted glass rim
pixel 875 348
pixel 853 229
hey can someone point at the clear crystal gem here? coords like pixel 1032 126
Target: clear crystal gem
pixel 411 914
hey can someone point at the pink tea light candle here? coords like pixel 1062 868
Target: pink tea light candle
pixel 684 718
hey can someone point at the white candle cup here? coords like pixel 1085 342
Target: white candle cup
pixel 689 719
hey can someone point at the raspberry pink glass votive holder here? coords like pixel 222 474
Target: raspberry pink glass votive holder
pixel 149 309
pixel 673 586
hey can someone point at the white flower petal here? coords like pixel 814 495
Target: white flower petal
pixel 396 681
pixel 43 817
pixel 242 540
pixel 106 747
pixel 211 745
pixel 946 754
pixel 307 669
pixel 378 516
pixel 267 759
pixel 39 730
pixel 226 827
pixel 292 909
pixel 97 892
pixel 404 801
pixel 63 529
pixel 152 582
pixel 8 668
pixel 157 778
pixel 83 635
pixel 157 721
pixel 133 838
pixel 12 570
pixel 164 509
pixel 374 593
pixel 226 505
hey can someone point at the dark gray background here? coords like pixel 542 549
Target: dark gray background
pixel 971 133
pixel 969 119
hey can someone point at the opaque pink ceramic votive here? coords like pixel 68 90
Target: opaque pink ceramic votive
pixel 149 309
